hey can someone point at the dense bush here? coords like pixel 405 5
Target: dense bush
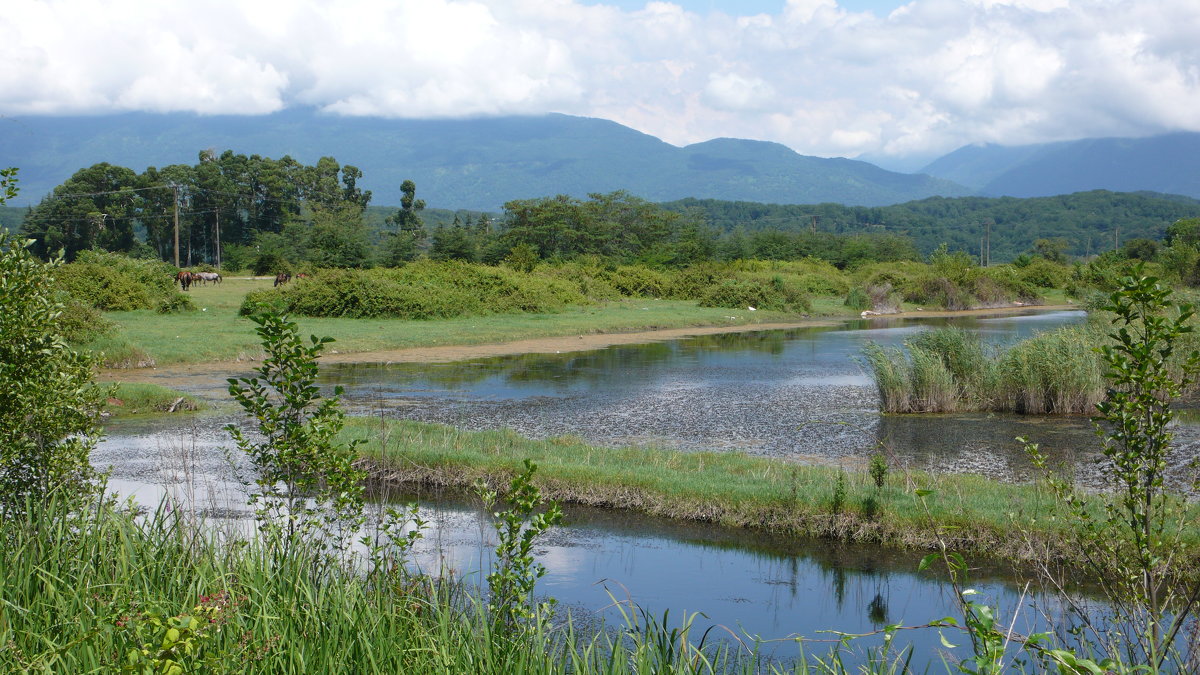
pixel 421 290
pixel 104 288
pixel 113 282
pixel 81 323
pixel 737 293
pixel 1045 274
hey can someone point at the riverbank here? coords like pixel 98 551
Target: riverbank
pixel 147 342
pixel 972 514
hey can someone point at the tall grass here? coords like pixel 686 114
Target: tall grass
pixel 1053 372
pixel 949 370
pixel 103 591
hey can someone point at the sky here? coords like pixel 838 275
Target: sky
pixel 878 78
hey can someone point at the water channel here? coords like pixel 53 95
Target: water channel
pixel 793 393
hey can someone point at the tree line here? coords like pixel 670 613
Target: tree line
pixel 265 214
pixel 240 212
pixel 1089 223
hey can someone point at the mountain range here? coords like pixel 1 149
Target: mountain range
pixel 480 163
pixel 463 163
pixel 1169 163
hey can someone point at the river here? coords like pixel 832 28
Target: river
pixel 796 393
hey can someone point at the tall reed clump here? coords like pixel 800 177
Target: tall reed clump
pixel 950 370
pixel 1053 372
pixel 944 370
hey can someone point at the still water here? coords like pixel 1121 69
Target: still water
pixel 799 393
pixel 792 393
pixel 749 584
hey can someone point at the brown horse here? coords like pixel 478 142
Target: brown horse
pixel 185 279
pixel 282 278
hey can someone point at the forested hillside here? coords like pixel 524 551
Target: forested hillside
pixel 1089 222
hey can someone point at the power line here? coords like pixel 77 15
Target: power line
pixel 134 217
pixel 65 195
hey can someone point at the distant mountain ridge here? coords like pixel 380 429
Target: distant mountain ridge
pixel 462 164
pixel 1169 163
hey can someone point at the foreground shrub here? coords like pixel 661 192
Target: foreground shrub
pixel 104 288
pixel 49 407
pixel 81 323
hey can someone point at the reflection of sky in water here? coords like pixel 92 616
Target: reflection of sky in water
pixel 811 354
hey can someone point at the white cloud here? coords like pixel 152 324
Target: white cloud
pixel 932 75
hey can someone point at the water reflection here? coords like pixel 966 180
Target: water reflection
pixel 753 583
pixel 799 393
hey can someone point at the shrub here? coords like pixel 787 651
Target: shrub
pixel 741 293
pixel 113 282
pixel 105 288
pixel 632 281
pixel 269 263
pixel 50 407
pixel 175 302
pixel 1045 274
pixel 857 299
pixel 419 290
pixel 81 323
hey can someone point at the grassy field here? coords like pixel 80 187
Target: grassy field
pixel 215 332
pixel 972 513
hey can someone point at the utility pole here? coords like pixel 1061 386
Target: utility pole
pixel 218 224
pixel 175 188
pixel 988 223
pixel 1117 238
pixel 814 223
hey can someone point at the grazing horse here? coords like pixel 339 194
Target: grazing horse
pixel 209 276
pixel 282 278
pixel 185 279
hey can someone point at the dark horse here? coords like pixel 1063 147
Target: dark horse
pixel 282 278
pixel 185 279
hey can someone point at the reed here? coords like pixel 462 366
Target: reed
pixel 949 370
pixel 1053 372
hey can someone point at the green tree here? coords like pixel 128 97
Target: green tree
pixel 337 237
pixel 50 408
pixel 306 483
pixel 407 220
pixel 1133 537
pixel 1140 249
pixel 95 208
pixel 453 243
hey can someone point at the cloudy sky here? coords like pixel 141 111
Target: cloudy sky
pixel 825 77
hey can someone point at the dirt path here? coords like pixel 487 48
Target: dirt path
pixel 551 345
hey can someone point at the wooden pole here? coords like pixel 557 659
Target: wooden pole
pixel 218 239
pixel 175 188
